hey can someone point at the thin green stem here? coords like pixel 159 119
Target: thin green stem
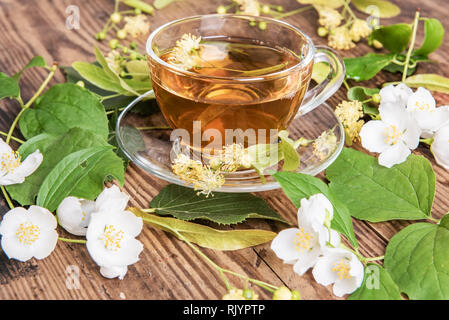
pixel 346 85
pixel 12 137
pixel 412 44
pixel 374 258
pixel 30 102
pixel 110 97
pixel 433 219
pixel 7 198
pixel 112 111
pixel 348 8
pixel 293 12
pixel 72 240
pixel 221 270
pixel 116 4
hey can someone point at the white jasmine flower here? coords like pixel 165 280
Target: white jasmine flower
pixel 74 214
pixel 393 136
pixel 12 169
pixel 341 267
pixel 440 146
pixel 136 25
pixel 303 245
pixel 397 95
pixel 111 241
pixel 423 108
pixel 28 233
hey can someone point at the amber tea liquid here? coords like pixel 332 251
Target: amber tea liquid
pixel 239 104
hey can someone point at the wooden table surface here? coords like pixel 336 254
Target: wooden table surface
pixel 169 269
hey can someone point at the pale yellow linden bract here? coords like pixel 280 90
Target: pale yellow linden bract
pixel 112 238
pixel 302 240
pixel 27 233
pixel 10 161
pixel 392 135
pixel 342 269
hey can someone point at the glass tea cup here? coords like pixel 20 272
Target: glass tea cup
pixel 213 108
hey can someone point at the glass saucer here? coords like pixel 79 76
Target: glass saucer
pixel 150 148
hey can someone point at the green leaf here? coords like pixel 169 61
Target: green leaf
pixel 139 69
pixel 320 71
pixel 160 4
pixel 207 237
pixel 377 285
pixel 223 208
pixel 395 37
pixel 434 33
pixel 62 107
pixel 298 186
pixel 112 74
pixel 53 149
pixel 380 8
pixel 264 156
pixel 80 174
pixel 36 61
pixel 376 193
pixel 290 155
pixel 366 67
pixel 417 259
pixel 429 81
pixel 97 76
pixel 138 4
pixel 8 87
pixel 394 68
pixel 362 94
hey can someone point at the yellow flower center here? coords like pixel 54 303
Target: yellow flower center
pixel 10 161
pixel 27 233
pixel 342 269
pixel 112 238
pixel 392 135
pixel 422 106
pixel 302 240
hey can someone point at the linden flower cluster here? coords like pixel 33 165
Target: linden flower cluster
pixel 313 244
pixel 185 54
pixel 341 37
pixel 209 177
pixel 249 7
pixel 325 144
pixel 349 113
pixel 203 178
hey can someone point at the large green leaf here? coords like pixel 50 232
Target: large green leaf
pixel 417 259
pixel 207 237
pixel 376 193
pixel 298 186
pixel 53 149
pixel 429 81
pixel 224 208
pixel 80 174
pixel 434 34
pixel 377 285
pixel 394 37
pixel 36 61
pixel 366 67
pixel 8 87
pixel 380 8
pixel 98 76
pixel 62 107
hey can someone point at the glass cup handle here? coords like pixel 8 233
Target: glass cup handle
pixel 323 91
